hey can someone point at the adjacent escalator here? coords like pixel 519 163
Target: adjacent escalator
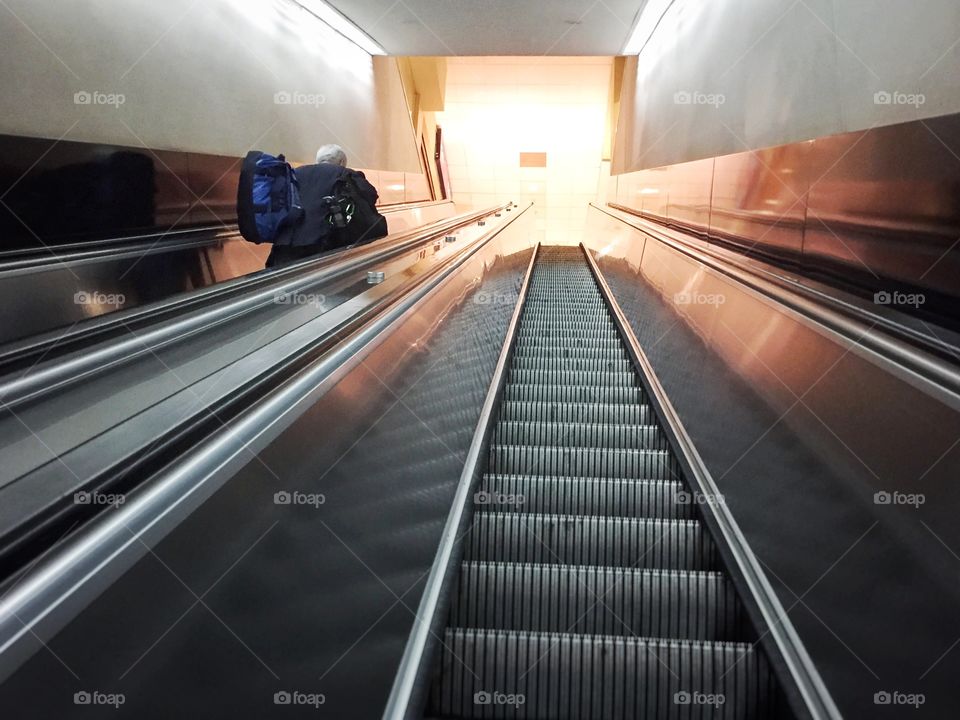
pixel 589 586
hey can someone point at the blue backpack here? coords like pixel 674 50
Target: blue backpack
pixel 268 197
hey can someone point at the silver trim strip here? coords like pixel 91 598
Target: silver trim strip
pixel 806 678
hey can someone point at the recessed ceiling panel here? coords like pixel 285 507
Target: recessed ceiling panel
pixel 495 27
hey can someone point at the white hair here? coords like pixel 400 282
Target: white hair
pixel 332 154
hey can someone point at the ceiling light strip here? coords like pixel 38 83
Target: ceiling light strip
pixel 341 24
pixel 647 24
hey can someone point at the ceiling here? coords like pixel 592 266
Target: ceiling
pixel 495 27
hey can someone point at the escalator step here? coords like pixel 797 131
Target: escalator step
pixel 552 343
pixel 584 540
pixel 597 601
pixel 622 463
pixel 562 337
pixel 576 412
pixel 548 324
pixel 665 499
pixel 567 377
pixel 574 393
pixel 528 351
pixel 573 434
pixel 497 673
pixel 564 364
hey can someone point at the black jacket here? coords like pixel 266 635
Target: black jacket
pixel 316 183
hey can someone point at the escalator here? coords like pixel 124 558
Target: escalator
pixel 589 586
pixel 516 520
pixel 586 583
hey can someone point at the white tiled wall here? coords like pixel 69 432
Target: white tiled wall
pixel 497 108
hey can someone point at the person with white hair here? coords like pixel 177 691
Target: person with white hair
pixel 332 155
pixel 339 209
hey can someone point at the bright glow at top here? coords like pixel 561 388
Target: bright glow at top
pixel 649 18
pixel 343 26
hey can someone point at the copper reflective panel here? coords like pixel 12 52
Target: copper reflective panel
pixel 887 203
pixel 649 193
pixel 759 199
pixel 213 188
pixel 689 195
pixel 877 210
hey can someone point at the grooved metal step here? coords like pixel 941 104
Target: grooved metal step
pixel 573 364
pixel 597 601
pixel 501 673
pixel 539 341
pixel 590 540
pixel 546 352
pixel 564 336
pixel 574 393
pixel 664 499
pixel 568 377
pixel 605 413
pixel 578 434
pixel 624 463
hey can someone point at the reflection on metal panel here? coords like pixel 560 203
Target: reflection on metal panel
pixel 888 201
pixel 689 195
pixel 759 199
pixel 877 209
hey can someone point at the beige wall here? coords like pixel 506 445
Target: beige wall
pixel 786 71
pixel 497 108
pixel 200 76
